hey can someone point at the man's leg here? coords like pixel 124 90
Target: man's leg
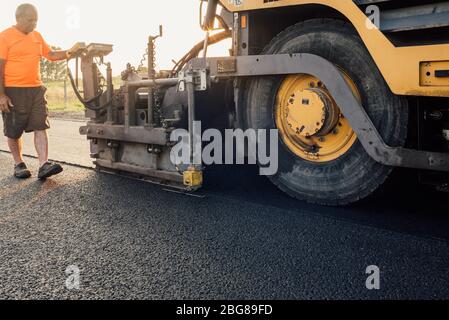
pixel 41 145
pixel 47 169
pixel 20 169
pixel 14 139
pixel 16 146
pixel 38 122
pixel 14 123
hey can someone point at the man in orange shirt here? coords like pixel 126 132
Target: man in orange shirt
pixel 22 94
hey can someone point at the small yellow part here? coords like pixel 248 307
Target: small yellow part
pixel 309 121
pixel 244 21
pixel 193 178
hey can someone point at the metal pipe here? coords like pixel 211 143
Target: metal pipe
pixel 153 83
pixel 110 117
pixel 191 111
pixel 210 15
pixel 150 118
pixel 206 45
pixel 151 76
pixel 76 72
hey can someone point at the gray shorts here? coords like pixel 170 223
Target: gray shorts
pixel 29 113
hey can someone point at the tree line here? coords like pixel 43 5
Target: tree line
pixel 53 70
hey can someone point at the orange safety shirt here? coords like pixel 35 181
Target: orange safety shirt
pixel 22 53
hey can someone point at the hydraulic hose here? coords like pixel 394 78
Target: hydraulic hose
pixel 87 103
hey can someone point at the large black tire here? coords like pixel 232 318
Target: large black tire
pixel 355 175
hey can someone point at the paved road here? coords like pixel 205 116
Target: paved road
pixel 244 240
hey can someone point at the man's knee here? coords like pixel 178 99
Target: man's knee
pixel 40 134
pixel 13 140
pixel 13 135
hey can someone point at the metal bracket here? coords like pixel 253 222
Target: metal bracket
pixel 197 77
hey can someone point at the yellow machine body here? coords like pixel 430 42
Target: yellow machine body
pixel 407 70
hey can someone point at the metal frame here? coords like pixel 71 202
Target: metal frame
pixel 192 79
pixel 285 64
pixel 140 134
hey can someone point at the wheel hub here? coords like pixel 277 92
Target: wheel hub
pixel 310 122
pixel 311 112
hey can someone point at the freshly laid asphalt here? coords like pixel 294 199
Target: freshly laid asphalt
pixel 243 240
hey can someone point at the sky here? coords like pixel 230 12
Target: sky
pixel 125 24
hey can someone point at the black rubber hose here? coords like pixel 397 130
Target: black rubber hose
pixel 87 103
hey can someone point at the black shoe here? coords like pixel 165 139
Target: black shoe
pixel 21 171
pixel 48 170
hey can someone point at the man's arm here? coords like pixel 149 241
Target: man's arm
pixel 5 102
pixel 65 54
pixel 57 55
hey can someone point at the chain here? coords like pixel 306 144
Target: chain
pixel 130 69
pixel 144 58
pixel 147 55
pixel 102 81
pixel 158 106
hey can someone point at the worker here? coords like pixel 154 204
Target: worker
pixel 22 94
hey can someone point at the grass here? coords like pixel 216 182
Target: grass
pixel 55 97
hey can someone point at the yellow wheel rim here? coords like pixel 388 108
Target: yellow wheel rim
pixel 309 121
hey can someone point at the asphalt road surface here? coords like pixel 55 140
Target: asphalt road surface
pixel 243 240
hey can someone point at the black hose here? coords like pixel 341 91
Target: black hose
pixel 87 103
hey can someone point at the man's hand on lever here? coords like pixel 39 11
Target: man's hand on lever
pixel 78 48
